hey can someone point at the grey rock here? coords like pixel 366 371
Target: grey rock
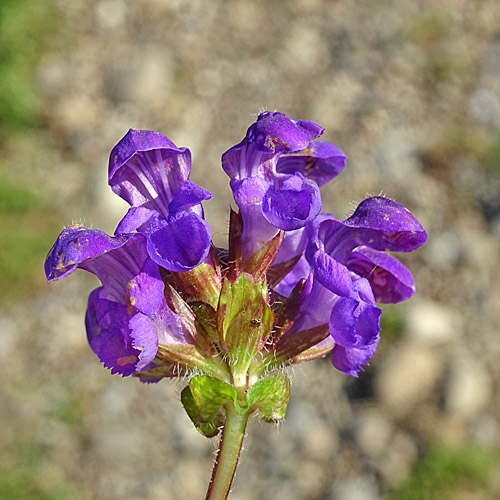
pixel 409 374
pixel 469 388
pixel 355 488
pixel 372 431
pixel 431 323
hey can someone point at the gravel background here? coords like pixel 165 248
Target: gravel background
pixel 410 90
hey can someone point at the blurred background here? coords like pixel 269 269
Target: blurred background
pixel 410 90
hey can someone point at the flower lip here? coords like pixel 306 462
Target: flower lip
pixel 77 244
pixel 181 243
pixel 351 360
pixel 292 202
pixel 320 161
pixel 390 280
pixel 378 223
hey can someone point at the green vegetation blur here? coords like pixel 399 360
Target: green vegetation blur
pixel 26 219
pixel 446 473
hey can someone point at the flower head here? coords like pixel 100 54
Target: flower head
pixel 295 284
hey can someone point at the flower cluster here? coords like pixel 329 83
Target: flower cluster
pixel 294 284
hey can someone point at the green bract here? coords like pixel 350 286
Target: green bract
pixel 205 397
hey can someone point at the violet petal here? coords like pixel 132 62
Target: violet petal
pixel 390 280
pixel 378 223
pixel 136 218
pixel 78 246
pixel 145 291
pixel 291 202
pixel 351 360
pixel 257 231
pixel 145 339
pixel 354 323
pixel 181 243
pixel 188 195
pixel 320 161
pixel 266 139
pixel 109 336
pixel 332 275
pixel 146 168
pixel 276 132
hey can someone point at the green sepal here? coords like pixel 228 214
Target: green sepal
pixel 244 319
pixel 293 344
pixel 206 316
pixel 191 326
pixel 278 271
pixel 270 396
pixel 163 369
pixel 203 400
pixel 258 264
pixel 208 425
pixel 201 283
pixel 190 358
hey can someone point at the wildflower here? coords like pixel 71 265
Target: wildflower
pixel 275 173
pixel 167 294
pixel 294 284
pixel 349 268
pixel 127 319
pixel 148 171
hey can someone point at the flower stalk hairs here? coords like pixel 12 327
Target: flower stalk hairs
pixel 294 284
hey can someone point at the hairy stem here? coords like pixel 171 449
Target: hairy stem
pixel 228 454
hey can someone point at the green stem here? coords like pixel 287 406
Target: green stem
pixel 228 454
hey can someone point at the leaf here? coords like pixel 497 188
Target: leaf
pixel 203 400
pixel 206 424
pixel 270 396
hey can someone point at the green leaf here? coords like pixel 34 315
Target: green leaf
pixel 270 396
pixel 208 425
pixel 203 400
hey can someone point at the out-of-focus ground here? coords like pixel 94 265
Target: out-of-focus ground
pixel 410 90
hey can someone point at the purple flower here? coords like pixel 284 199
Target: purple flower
pixel 294 284
pixel 346 269
pixel 127 317
pixel 151 173
pixel 275 172
pixel 349 259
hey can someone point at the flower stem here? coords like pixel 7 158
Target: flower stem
pixel 228 454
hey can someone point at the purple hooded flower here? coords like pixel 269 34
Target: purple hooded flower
pixel 127 317
pixel 349 259
pixel 275 172
pixel 295 284
pixel 151 173
pixel 335 297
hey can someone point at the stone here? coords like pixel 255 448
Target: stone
pixel 371 432
pixel 409 374
pixel 468 389
pixel 355 488
pixel 401 454
pixel 431 323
